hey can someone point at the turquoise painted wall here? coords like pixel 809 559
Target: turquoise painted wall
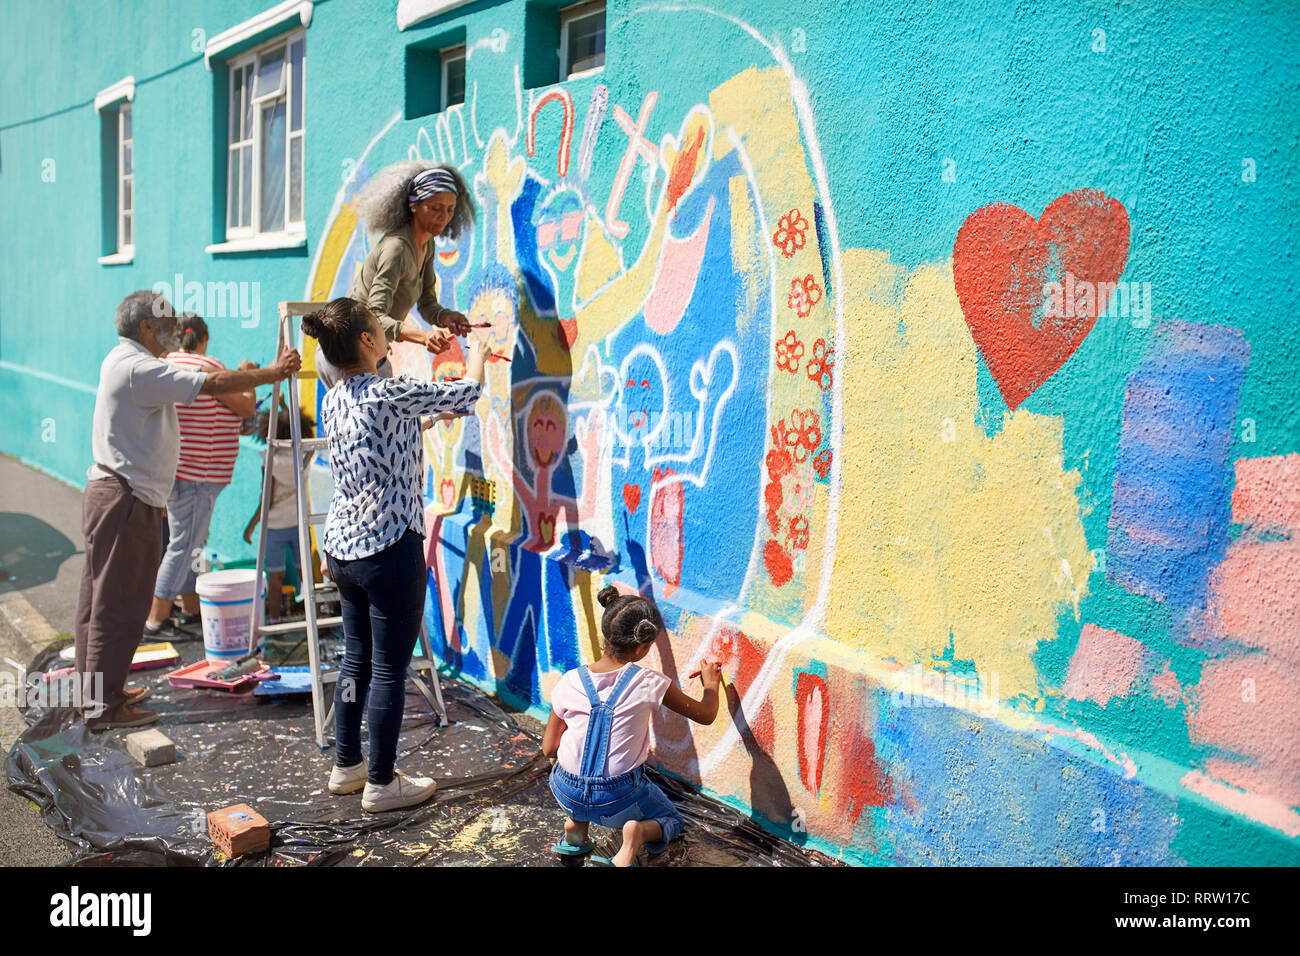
pixel 1110 553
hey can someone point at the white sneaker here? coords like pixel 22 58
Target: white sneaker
pixel 348 779
pixel 402 791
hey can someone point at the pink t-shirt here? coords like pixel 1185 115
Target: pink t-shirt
pixel 629 732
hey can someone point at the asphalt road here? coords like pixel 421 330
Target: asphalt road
pixel 40 567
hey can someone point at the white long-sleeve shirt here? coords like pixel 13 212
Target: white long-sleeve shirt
pixel 376 456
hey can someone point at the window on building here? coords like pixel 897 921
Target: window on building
pixel 117 172
pixel 264 181
pixel 453 76
pixel 582 38
pixel 125 183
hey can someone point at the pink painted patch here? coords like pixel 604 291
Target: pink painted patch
pixel 810 694
pixel 679 268
pixel 667 503
pixel 1268 491
pixel 1255 597
pixel 1245 705
pixel 1105 665
pixel 1166 687
pixel 1247 708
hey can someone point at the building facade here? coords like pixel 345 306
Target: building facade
pixel 930 364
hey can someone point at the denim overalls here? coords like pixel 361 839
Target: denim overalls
pixel 590 796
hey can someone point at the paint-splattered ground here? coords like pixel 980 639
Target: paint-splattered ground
pixel 493 807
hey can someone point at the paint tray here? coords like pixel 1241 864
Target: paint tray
pixel 154 655
pixel 198 675
pixel 292 679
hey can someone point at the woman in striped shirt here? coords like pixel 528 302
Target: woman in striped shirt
pixel 209 446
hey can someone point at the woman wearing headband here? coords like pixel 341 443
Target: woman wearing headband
pixel 408 205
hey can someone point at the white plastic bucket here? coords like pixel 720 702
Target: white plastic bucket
pixel 225 604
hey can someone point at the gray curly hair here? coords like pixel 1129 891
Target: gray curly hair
pixel 381 203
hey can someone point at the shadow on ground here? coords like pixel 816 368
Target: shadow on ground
pixel 493 806
pixel 31 551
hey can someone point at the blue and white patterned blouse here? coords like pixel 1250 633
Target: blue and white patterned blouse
pixel 376 455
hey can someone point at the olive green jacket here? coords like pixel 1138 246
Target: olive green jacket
pixel 391 281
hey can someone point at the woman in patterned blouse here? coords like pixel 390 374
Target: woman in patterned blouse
pixel 374 538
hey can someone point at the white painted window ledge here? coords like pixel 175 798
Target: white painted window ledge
pixel 125 257
pixel 279 240
pixel 123 89
pixel 411 12
pixel 241 33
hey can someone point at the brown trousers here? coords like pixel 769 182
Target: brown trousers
pixel 123 548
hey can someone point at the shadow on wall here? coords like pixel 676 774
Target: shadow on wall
pixel 31 551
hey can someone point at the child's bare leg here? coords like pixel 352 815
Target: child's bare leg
pixel 636 833
pixel 574 832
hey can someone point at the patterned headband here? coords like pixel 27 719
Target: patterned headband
pixel 428 183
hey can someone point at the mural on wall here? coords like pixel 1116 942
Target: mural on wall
pixel 674 417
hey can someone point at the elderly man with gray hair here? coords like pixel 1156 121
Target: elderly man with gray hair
pixel 136 443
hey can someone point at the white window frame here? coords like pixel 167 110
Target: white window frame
pixel 446 56
pixel 116 99
pixel 567 16
pixel 125 249
pixel 292 231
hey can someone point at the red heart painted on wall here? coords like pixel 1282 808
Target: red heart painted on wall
pixel 1003 260
pixel 566 330
pixel 632 497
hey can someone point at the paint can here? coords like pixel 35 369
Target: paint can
pixel 226 604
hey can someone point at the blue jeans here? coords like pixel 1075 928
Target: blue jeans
pixel 382 599
pixel 279 542
pixel 189 511
pixel 613 801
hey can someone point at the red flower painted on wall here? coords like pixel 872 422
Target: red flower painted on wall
pixel 822 463
pixel 804 294
pixel 791 233
pixel 803 435
pixel 778 459
pixel 789 351
pixel 797 539
pixel 821 364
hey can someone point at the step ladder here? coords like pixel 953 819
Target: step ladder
pixel 424 670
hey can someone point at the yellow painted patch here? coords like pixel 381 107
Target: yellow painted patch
pixel 944 530
pixel 746 256
pixel 599 263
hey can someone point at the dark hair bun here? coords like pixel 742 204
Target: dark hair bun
pixel 646 631
pixel 606 595
pixel 312 325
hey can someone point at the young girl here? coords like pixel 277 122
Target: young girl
pixel 599 735
pixel 282 517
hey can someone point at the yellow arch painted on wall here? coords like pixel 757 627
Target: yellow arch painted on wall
pixel 331 254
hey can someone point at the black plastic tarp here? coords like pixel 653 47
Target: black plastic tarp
pixel 493 805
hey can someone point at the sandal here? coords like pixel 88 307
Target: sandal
pixel 565 848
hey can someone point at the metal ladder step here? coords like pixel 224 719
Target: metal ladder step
pixel 309 443
pixel 289 627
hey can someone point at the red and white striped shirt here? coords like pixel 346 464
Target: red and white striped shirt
pixel 209 430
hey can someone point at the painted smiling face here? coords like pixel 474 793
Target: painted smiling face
pixel 548 429
pixel 494 307
pixel 641 404
pixel 559 230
